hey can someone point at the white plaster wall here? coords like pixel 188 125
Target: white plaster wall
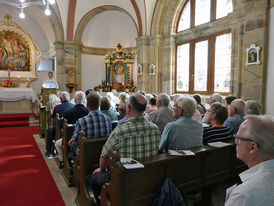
pixel 270 69
pixel 108 28
pixel 93 71
pixel 63 6
pixel 84 6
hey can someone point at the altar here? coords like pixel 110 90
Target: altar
pixel 18 100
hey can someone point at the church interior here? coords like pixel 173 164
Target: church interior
pixel 177 47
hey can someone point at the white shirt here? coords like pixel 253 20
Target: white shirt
pixel 257 187
pixel 50 83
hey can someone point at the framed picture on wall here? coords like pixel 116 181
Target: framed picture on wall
pixel 252 55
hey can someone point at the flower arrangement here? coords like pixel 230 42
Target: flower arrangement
pixel 9 84
pixel 101 86
pixel 127 86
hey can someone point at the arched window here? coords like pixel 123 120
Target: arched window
pixel 203 64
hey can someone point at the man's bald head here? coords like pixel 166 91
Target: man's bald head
pixel 138 103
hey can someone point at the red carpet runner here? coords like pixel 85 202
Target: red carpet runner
pixel 24 176
pixel 15 120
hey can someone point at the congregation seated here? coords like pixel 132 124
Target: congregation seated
pixel 152 107
pixel 136 138
pixel 122 114
pixel 123 96
pixel 61 110
pixel 163 114
pixel 95 124
pixel 116 99
pixel 252 108
pixel 52 100
pixel 185 132
pixel 236 115
pixel 72 115
pixel 105 107
pixel 200 107
pixel 216 97
pixel 255 147
pixel 218 113
pixel 229 99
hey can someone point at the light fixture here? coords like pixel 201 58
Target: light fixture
pixel 26 3
pixel 22 15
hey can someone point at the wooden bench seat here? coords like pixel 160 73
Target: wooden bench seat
pixel 201 171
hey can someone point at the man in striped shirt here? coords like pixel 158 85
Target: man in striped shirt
pixel 217 114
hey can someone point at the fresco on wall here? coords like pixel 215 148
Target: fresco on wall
pixel 14 52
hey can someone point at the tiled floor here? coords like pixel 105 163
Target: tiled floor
pixel 68 193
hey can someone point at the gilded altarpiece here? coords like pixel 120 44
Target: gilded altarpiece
pixel 19 55
pixel 119 68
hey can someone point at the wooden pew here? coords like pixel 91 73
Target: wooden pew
pixel 67 171
pixel 49 121
pixel 58 134
pixel 42 121
pixel 86 162
pixel 190 173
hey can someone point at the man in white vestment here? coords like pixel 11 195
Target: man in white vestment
pixel 50 82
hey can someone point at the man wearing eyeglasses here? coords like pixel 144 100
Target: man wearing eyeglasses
pixel 255 147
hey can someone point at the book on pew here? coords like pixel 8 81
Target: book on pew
pixel 218 144
pixel 180 152
pixel 130 163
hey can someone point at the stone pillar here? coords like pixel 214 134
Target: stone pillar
pixel 66 61
pixel 168 65
pixel 143 81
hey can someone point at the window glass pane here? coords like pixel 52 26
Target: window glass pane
pixel 182 81
pixel 222 63
pixel 223 8
pixel 46 64
pixel 202 12
pixel 200 66
pixel 184 22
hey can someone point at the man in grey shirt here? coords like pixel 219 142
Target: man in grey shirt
pixel 163 114
pixel 185 132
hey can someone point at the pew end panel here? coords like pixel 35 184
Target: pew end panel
pixel 67 171
pixel 86 162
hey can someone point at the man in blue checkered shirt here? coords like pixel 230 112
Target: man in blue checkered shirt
pixel 95 124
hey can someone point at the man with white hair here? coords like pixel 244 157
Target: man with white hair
pixel 185 132
pixel 61 109
pixel 255 147
pixel 163 114
pixel 236 113
pixel 72 115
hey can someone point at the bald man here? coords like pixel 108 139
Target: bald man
pixel 136 138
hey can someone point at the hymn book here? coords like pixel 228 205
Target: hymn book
pixel 130 163
pixel 180 152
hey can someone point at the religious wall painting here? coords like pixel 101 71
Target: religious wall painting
pixel 14 52
pixel 18 52
pixel 252 55
pixel 119 73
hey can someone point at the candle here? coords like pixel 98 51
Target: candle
pixel 18 76
pixel 27 79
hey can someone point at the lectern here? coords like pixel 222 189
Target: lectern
pixel 46 93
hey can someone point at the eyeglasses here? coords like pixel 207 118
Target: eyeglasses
pixel 244 139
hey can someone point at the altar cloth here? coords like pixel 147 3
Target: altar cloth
pixel 16 94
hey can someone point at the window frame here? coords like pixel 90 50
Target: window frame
pixel 211 63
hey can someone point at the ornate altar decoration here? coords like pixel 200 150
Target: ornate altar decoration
pixel 119 69
pixel 9 83
pixel 18 52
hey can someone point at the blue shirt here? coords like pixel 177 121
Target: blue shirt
pixel 122 121
pixel 184 133
pixel 95 124
pixel 78 111
pixel 62 109
pixel 234 122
